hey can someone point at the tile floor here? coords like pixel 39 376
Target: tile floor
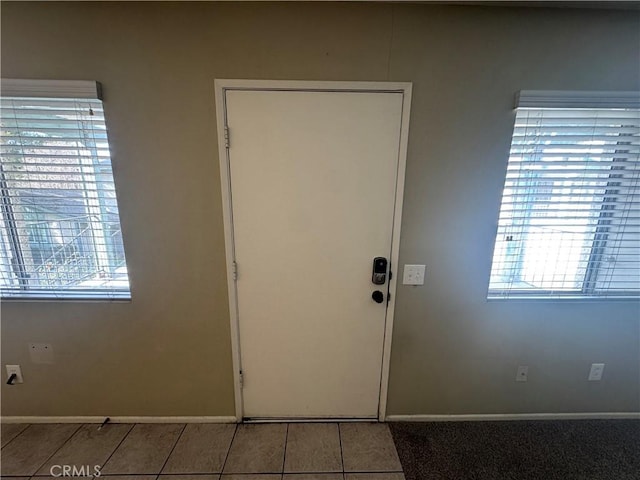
pixel 276 451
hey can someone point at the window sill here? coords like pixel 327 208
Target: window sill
pixel 562 298
pixel 66 299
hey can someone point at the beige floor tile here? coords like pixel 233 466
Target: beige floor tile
pixel 27 452
pixel 88 446
pixel 9 431
pixel 257 449
pixel 313 447
pixel 202 448
pixel 144 450
pixel 368 447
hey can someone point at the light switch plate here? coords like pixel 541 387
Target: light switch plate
pixel 595 374
pixel 41 353
pixel 413 275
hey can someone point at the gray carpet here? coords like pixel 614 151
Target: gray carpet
pixel 521 450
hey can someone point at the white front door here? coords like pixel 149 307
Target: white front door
pixel 313 179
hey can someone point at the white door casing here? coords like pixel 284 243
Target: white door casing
pixel 312 191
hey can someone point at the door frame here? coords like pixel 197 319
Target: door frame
pixel 221 86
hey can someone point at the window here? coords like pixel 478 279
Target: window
pixel 60 229
pixel 569 224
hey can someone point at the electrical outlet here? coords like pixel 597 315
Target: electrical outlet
pixel 522 373
pixel 11 369
pixel 595 374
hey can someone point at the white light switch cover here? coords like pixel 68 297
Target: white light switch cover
pixel 595 374
pixel 413 275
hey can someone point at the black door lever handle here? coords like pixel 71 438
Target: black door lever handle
pixel 12 377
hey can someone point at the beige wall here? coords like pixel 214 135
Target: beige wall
pixel 168 351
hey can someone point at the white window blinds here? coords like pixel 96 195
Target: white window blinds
pixel 569 222
pixel 60 235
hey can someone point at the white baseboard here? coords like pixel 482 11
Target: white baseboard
pixel 485 417
pixel 116 419
pixel 482 417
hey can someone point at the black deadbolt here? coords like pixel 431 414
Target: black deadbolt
pixel 377 296
pixel 379 275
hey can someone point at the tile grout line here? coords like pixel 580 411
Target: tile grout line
pixel 184 427
pixel 118 475
pixel 224 464
pixel 124 437
pixel 210 474
pixel 19 433
pixel 324 473
pixel 341 451
pixel 58 449
pixel 284 457
pixel 115 476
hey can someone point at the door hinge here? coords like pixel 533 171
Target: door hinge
pixel 241 379
pixel 226 136
pixel 234 270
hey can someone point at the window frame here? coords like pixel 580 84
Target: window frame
pixel 569 100
pixel 57 90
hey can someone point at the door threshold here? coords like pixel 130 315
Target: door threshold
pixel 308 419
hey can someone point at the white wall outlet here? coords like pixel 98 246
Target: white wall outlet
pixel 595 374
pixel 11 369
pixel 413 275
pixel 41 353
pixel 522 373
